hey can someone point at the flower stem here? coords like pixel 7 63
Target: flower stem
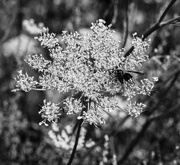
pixel 76 142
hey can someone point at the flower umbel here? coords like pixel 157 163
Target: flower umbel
pixel 85 66
pixel 25 82
pixel 50 111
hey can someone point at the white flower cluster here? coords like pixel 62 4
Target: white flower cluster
pixel 25 82
pixel 84 65
pixel 50 111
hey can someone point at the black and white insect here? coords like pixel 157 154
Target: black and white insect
pixel 124 75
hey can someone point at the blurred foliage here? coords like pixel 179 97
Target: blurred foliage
pixel 151 139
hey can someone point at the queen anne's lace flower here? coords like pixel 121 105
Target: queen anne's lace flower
pixel 25 82
pixel 84 66
pixel 50 111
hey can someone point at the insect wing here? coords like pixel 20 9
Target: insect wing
pixel 127 76
pixel 120 78
pixel 119 75
pixel 140 73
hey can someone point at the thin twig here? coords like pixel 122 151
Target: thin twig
pixel 156 26
pixel 152 29
pixel 166 10
pixel 115 12
pixel 76 143
pixel 126 24
pixel 171 21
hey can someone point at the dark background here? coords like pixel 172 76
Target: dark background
pixel 152 138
